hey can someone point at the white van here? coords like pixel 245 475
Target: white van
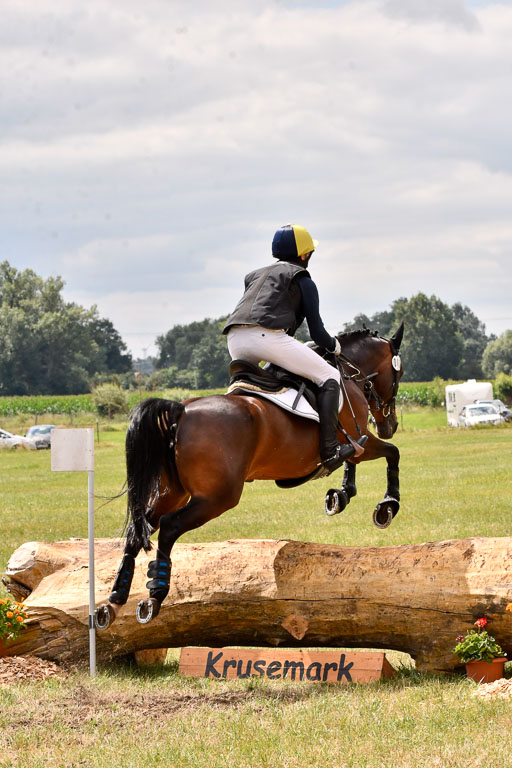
pixel 458 395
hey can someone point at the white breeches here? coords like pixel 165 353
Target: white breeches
pixel 255 343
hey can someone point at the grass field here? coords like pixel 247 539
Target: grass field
pixel 455 483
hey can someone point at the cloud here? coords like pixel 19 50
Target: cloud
pixel 452 12
pixel 156 148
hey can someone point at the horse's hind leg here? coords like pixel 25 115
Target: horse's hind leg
pixel 349 480
pixel 107 613
pixel 336 500
pixel 196 513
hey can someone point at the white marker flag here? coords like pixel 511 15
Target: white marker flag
pixel 73 451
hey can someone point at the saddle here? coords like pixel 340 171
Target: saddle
pixel 246 376
pixel 272 378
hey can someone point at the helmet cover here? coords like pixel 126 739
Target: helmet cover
pixel 292 241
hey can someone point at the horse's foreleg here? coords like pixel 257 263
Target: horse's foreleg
pixel 386 509
pixel 196 513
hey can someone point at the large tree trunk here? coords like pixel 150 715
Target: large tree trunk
pixel 415 598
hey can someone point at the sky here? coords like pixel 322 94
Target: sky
pixel 149 151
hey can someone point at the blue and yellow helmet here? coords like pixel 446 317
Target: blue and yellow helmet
pixel 292 241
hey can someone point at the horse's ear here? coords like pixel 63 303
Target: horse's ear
pixel 398 336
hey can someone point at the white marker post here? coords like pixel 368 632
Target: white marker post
pixel 73 451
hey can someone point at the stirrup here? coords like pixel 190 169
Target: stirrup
pixel 342 453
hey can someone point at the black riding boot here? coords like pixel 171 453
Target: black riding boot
pixel 332 453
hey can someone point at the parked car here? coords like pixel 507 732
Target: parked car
pixel 474 414
pixel 500 405
pixel 41 434
pixel 8 440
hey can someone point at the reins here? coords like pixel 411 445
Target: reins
pixel 359 377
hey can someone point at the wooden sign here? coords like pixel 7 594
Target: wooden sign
pixel 282 664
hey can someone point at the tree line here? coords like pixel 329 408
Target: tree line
pixel 49 346
pixel 443 341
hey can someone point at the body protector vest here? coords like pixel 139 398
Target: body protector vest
pixel 271 299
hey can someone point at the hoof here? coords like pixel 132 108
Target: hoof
pixel 147 610
pixel 384 512
pixel 335 501
pixel 104 617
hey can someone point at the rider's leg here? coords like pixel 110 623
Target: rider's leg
pixel 255 343
pixel 332 453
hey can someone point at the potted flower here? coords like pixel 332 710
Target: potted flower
pixel 12 620
pixel 483 657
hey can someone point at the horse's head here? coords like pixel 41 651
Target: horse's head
pixel 380 374
pixel 385 385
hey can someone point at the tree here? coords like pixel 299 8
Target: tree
pixel 474 339
pixel 211 360
pixel 302 332
pixel 48 346
pixel 359 322
pixel 198 350
pixel 432 344
pixel 439 340
pixel 177 346
pixel 380 321
pixel 113 356
pixel 497 357
pixel 503 387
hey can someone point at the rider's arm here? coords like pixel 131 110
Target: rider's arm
pixel 311 310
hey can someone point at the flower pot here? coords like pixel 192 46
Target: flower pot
pixel 3 650
pixel 483 672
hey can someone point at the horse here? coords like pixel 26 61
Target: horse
pixel 187 462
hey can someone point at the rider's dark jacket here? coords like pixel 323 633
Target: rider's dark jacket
pixel 272 299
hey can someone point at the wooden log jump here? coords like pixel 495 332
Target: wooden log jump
pixel 415 598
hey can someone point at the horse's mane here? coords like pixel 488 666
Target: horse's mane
pixel 356 335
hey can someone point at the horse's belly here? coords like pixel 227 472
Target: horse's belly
pixel 287 446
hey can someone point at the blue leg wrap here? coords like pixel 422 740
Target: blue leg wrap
pixel 123 581
pixel 159 573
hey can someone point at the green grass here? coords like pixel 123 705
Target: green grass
pixel 455 483
pixel 158 721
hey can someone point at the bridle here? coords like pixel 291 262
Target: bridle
pixel 367 380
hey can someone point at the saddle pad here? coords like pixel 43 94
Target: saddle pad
pixel 284 399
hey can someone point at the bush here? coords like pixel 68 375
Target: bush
pixel 503 388
pixel 430 393
pixel 186 379
pixel 497 357
pixel 110 399
pixel 165 378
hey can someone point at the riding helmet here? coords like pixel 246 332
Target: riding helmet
pixel 291 242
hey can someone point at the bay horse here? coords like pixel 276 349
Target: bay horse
pixel 187 462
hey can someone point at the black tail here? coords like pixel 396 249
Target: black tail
pixel 149 450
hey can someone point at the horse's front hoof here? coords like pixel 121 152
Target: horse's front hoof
pixel 104 617
pixel 335 501
pixel 147 610
pixel 384 512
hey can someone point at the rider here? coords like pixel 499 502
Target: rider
pixel 276 300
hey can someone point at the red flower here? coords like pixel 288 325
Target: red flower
pixel 460 638
pixel 480 623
